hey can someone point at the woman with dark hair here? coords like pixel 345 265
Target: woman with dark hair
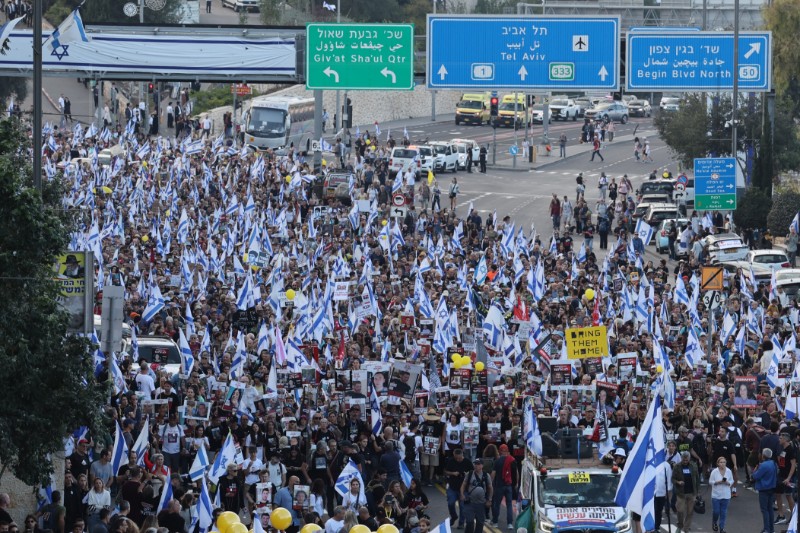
pixel 318 503
pixel 415 498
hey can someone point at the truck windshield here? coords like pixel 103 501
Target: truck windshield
pixel 470 104
pixel 588 490
pixel 509 106
pixel 267 122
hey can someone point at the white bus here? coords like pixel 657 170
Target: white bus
pixel 280 122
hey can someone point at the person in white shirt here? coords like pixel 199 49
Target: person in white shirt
pixel 663 485
pixel 144 381
pixel 721 480
pixel 336 522
pixel 171 443
pixel 277 472
pixel 251 466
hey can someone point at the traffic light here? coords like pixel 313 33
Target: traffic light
pixel 151 88
pixel 493 104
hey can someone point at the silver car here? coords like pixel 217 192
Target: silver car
pixel 608 111
pixel 639 108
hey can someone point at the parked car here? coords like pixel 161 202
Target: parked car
pixel 427 158
pixel 656 213
pixel 537 114
pixel 161 351
pixel 753 271
pixel 608 111
pixel 670 103
pixel 446 157
pixel 468 144
pixel 726 247
pixel 242 5
pixel 403 158
pixel 583 103
pixel 564 109
pixel 771 259
pixel 662 236
pixel 788 280
pixel 639 108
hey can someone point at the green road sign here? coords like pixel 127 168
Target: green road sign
pixel 714 202
pixel 360 56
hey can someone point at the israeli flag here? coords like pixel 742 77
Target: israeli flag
pixel 481 271
pixel 119 453
pixel 375 407
pixel 140 446
pixel 645 231
pixel 226 455
pixel 166 494
pixel 444 527
pixel 405 473
pixel 69 31
pixel 187 359
pixel 205 509
pixel 533 437
pixel 772 372
pixel 637 485
pixel 349 473
pixel 154 304
pixel 199 464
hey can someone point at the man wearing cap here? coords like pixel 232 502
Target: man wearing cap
pixel 504 477
pixel 476 494
pixel 686 481
pixel 79 461
pixel 787 464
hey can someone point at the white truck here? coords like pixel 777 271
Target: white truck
pixel 573 499
pixel 564 109
pixel 446 156
pixel 467 144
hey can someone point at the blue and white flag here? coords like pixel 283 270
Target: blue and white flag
pixel 645 231
pixel 349 473
pixel 140 445
pixel 405 473
pixel 772 371
pixel 637 485
pixel 205 509
pixel 226 455
pixel 166 494
pixel 481 271
pixel 7 28
pixel 795 225
pixel 533 437
pixel 199 464
pixel 154 304
pixel 376 419
pixel 187 359
pixel 444 527
pixel 69 31
pixel 119 453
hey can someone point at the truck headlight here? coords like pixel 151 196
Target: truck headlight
pixel 545 525
pixel 623 525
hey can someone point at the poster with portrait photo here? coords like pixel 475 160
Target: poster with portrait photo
pixel 378 376
pixel 606 394
pixel 359 387
pixel 744 392
pixel 593 366
pixel 233 397
pixel 263 495
pixel 403 380
pixel 479 390
pixel 626 363
pixel 309 375
pixel 561 376
pixel 494 431
pixel 442 397
pixel 301 498
pixel 342 381
pixel 153 407
pixel 575 395
pixel 197 410
pixel 288 380
pixel 420 403
pixel 460 379
pixel 472 431
pixel 359 403
pixel 588 398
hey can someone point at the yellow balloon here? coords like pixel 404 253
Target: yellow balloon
pixel 388 528
pixel 288 179
pixel 479 366
pixel 360 528
pixel 280 518
pixel 237 528
pixel 660 368
pixel 466 360
pixel 457 365
pixel 310 528
pixel 290 294
pixel 145 238
pixel 226 520
pixel 455 357
pixel 383 222
pixel 589 294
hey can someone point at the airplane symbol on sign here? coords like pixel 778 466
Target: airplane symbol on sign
pixel 580 43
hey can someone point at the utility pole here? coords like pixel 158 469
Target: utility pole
pixel 433 91
pixel 37 94
pixel 734 121
pixel 337 115
pixel 142 94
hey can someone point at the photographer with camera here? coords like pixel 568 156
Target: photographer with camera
pixel 476 494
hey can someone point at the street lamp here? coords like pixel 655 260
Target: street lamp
pixel 130 9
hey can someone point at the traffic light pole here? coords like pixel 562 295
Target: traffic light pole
pixel 514 155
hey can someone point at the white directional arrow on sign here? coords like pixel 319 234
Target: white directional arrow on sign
pixel 386 73
pixel 755 48
pixel 523 72
pixel 330 72
pixel 442 72
pixel 603 73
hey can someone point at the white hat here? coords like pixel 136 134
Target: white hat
pixel 621 452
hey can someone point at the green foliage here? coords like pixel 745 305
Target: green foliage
pixel 782 17
pixel 495 7
pixel 110 11
pixel 16 87
pixel 753 208
pixel 216 97
pixel 270 12
pixel 686 130
pixel 785 205
pixel 786 141
pixel 372 11
pixel 48 379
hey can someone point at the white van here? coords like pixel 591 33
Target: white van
pixel 403 158
pixel 468 144
pixel 446 156
pixel 726 247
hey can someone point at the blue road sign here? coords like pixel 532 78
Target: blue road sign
pixel 715 183
pixel 548 53
pixel 697 61
pixel 513 150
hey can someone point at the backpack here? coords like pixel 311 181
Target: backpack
pixel 507 475
pixel 409 441
pixel 483 483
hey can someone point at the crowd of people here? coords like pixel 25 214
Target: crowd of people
pixel 344 349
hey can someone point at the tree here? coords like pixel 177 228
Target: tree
pixel 686 130
pixel 270 12
pixel 16 87
pixel 110 11
pixel 785 205
pixel 753 208
pixel 782 17
pixel 48 379
pixel 371 11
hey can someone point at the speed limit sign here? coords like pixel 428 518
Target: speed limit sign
pixel 399 200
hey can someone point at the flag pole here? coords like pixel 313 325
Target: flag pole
pixel 667 501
